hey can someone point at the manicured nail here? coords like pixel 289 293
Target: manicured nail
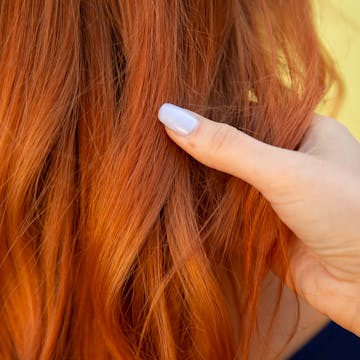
pixel 178 119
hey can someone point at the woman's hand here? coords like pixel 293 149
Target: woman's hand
pixel 315 191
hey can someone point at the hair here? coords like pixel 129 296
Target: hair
pixel 115 243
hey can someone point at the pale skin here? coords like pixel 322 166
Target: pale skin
pixel 315 191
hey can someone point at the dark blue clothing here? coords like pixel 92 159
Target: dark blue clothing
pixel 331 343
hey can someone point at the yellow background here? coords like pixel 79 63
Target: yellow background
pixel 339 27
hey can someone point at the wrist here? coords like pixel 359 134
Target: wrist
pixel 343 303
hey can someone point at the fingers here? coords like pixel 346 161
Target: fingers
pixel 227 149
pixel 331 141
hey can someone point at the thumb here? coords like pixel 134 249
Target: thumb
pixel 223 147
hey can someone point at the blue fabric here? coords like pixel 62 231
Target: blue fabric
pixel 331 343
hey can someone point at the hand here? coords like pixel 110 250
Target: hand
pixel 315 191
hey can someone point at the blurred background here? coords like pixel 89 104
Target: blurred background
pixel 339 27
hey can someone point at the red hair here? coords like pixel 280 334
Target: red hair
pixel 114 242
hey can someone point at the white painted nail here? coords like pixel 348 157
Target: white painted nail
pixel 177 119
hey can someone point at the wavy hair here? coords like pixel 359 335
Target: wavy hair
pixel 115 243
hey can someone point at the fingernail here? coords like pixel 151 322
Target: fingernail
pixel 178 119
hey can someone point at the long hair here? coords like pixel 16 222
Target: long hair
pixel 115 243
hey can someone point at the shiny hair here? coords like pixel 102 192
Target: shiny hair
pixel 114 242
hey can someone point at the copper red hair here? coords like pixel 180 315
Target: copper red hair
pixel 114 242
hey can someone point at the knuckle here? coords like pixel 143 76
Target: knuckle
pixel 327 123
pixel 223 137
